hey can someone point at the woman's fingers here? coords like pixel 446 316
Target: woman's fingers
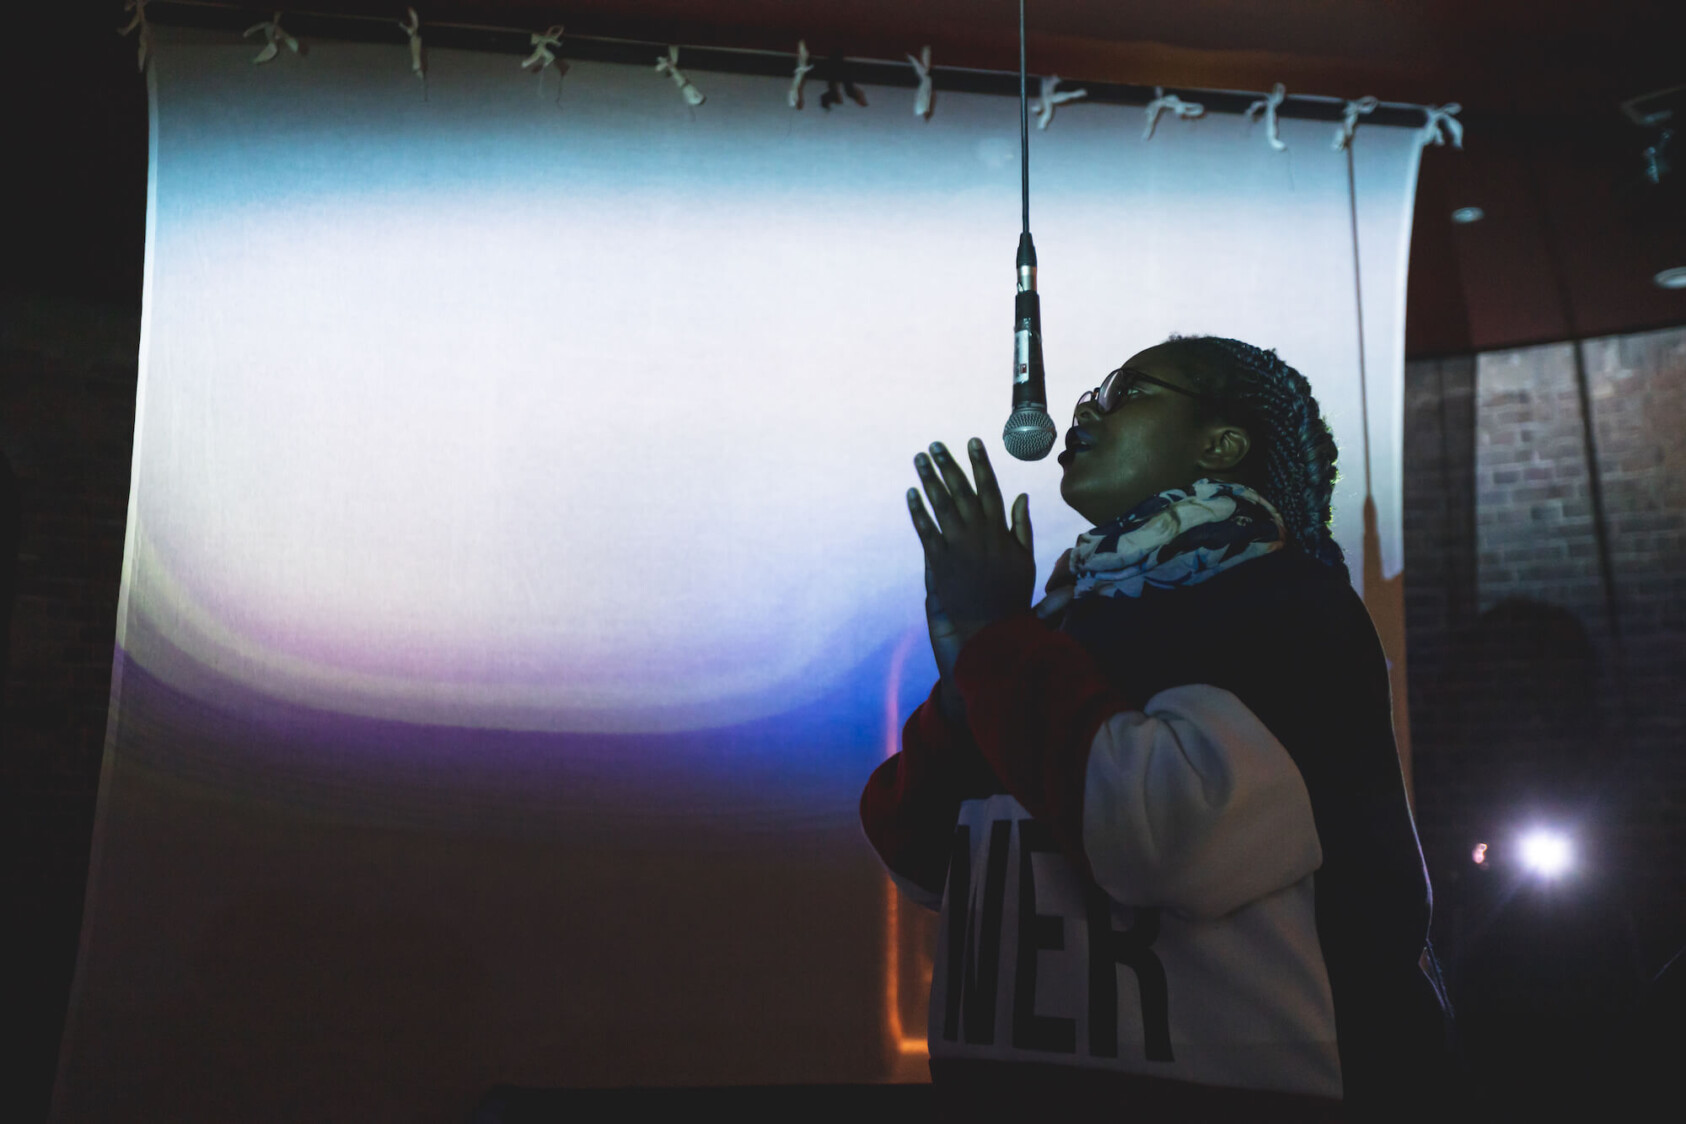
pixel 989 492
pixel 955 507
pixel 942 500
pixel 925 527
pixel 954 477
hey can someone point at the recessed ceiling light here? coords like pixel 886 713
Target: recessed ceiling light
pixel 1672 278
pixel 1468 215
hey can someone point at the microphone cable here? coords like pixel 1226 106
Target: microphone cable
pixel 1029 432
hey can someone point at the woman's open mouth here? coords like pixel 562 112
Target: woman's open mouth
pixel 1077 440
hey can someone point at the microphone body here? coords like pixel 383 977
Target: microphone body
pixel 1030 432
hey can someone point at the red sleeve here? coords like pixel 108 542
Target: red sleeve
pixel 913 799
pixel 1035 699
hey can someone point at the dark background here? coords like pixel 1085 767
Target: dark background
pixel 1545 499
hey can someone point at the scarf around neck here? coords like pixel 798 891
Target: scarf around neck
pixel 1176 538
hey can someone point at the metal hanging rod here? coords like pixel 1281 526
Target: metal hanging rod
pixel 210 15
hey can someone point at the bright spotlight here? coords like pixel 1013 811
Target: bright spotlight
pixel 1546 853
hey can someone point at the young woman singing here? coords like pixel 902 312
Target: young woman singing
pixel 1162 811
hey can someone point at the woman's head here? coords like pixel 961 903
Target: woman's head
pixel 1208 408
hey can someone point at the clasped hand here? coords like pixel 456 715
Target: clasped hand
pixel 978 569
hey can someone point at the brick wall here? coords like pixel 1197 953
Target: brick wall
pixel 67 410
pixel 1440 582
pixel 1529 700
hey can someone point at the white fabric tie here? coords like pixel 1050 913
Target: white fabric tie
pixel 143 41
pixel 803 66
pixel 922 99
pixel 1349 120
pixel 1443 117
pixel 1269 104
pixel 418 62
pixel 1044 105
pixel 670 67
pixel 275 36
pixel 545 45
pixel 1162 102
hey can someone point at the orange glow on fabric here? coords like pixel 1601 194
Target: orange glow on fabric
pixel 905 1043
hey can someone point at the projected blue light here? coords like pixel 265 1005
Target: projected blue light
pixel 508 421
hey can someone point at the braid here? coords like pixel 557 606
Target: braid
pixel 1292 463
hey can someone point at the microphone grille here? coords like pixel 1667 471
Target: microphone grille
pixel 1029 433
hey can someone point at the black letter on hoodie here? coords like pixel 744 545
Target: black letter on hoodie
pixel 974 958
pixel 1132 948
pixel 1037 931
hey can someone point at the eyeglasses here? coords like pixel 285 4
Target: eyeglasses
pixel 1116 385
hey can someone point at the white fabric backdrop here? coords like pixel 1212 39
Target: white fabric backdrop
pixel 483 410
pixel 594 418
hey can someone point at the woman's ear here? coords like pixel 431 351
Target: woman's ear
pixel 1226 447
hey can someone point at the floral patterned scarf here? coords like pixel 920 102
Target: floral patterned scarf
pixel 1176 538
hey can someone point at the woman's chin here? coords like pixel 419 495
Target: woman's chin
pixel 1071 490
pixel 1096 509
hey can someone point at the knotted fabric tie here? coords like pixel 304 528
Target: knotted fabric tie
pixel 1269 104
pixel 1050 98
pixel 803 66
pixel 670 67
pixel 545 45
pixel 418 63
pixel 1437 118
pixel 137 23
pixel 1162 102
pixel 275 37
pixel 1349 120
pixel 922 99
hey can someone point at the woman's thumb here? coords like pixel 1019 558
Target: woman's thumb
pixel 1062 574
pixel 1055 603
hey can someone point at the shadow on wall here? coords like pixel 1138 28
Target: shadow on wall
pixel 1534 910
pixel 1521 682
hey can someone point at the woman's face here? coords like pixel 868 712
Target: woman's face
pixel 1150 441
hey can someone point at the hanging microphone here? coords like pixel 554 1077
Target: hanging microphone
pixel 1029 432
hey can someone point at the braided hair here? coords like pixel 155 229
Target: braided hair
pixel 1292 459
